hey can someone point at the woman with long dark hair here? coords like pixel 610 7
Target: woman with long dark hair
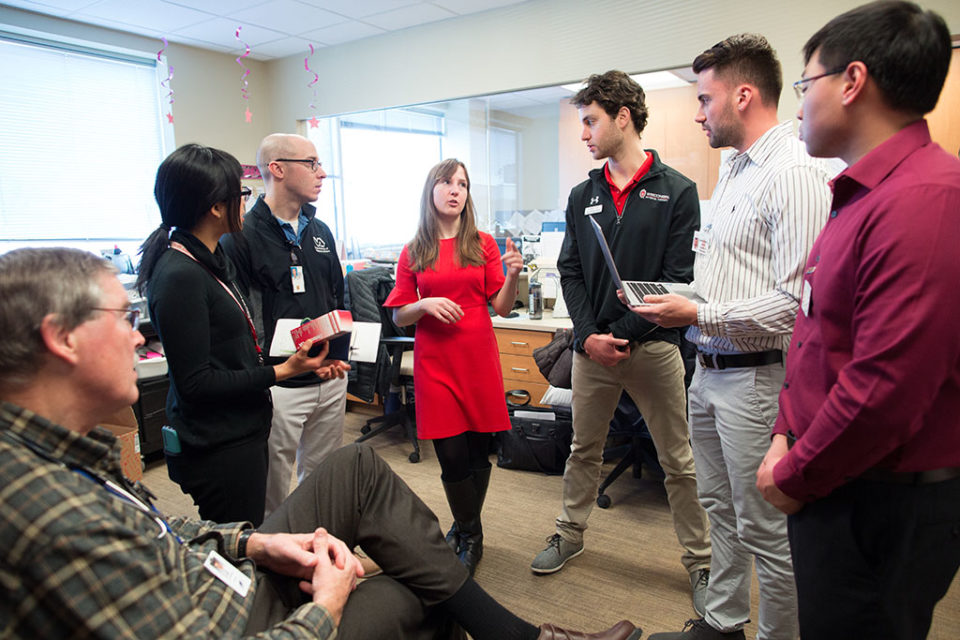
pixel 445 277
pixel 218 406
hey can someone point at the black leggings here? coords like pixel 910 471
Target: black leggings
pixel 459 455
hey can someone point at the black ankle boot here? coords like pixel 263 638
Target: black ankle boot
pixel 453 537
pixel 465 503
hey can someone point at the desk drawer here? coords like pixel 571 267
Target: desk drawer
pixel 535 389
pixel 521 343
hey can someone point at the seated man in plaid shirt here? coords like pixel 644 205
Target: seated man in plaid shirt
pixel 86 554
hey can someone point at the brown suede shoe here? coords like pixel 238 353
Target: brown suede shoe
pixel 623 630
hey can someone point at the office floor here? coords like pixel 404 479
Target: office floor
pixel 630 569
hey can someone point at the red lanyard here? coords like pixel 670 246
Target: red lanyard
pixel 240 303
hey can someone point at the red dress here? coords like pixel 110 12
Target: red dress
pixel 457 378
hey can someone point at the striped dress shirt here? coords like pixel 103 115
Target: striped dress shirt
pixel 768 207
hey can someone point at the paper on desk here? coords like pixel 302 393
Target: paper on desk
pixel 545 416
pixel 364 340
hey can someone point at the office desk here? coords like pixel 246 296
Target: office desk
pixel 517 338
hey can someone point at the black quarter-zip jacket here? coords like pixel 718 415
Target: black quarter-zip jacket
pixel 263 255
pixel 652 240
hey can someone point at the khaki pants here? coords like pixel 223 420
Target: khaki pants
pixel 653 377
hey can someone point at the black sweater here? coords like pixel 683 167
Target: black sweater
pixel 219 392
pixel 652 242
pixel 262 256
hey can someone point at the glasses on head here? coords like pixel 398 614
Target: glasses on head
pixel 245 192
pixel 313 163
pixel 130 314
pixel 800 86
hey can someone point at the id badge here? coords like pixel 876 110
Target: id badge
pixel 589 211
pixel 227 573
pixel 806 292
pixel 701 241
pixel 296 279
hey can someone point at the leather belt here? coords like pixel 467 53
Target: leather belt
pixel 911 477
pixel 738 360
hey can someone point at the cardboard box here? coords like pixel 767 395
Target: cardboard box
pixel 326 327
pixel 123 424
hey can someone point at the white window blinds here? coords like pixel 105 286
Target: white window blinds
pixel 82 136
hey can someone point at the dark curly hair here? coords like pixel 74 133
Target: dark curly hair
pixel 612 90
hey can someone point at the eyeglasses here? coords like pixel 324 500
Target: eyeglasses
pixel 130 314
pixel 312 162
pixel 800 86
pixel 245 193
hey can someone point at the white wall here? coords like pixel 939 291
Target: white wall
pixel 545 42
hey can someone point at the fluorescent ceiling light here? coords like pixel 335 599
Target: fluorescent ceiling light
pixel 649 81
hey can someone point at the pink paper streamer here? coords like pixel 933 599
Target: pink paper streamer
pixel 316 78
pixel 244 83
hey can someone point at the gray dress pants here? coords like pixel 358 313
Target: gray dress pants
pixel 357 497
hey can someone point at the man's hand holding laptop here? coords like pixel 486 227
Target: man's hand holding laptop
pixel 670 310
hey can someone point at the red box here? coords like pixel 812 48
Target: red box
pixel 326 327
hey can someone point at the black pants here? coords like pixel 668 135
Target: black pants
pixel 357 497
pixel 227 484
pixel 872 559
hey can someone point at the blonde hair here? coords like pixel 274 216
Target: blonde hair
pixel 425 246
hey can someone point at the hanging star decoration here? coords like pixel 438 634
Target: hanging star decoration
pixel 166 83
pixel 244 83
pixel 314 123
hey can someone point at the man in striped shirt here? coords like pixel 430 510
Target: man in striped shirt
pixel 771 201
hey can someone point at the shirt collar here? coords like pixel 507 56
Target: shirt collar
pixel 766 145
pixel 91 451
pixel 642 171
pixel 880 161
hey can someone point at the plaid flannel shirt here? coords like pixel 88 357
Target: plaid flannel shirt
pixel 80 562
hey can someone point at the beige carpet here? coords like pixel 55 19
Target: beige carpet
pixel 630 569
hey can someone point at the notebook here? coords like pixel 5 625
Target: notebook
pixel 634 290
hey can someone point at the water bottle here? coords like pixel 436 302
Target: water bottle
pixel 535 301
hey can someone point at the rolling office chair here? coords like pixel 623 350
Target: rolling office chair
pixel 367 290
pixel 627 421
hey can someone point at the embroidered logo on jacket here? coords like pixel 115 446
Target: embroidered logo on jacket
pixel 594 199
pixel 320 245
pixel 659 197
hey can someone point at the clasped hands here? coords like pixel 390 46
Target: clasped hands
pixel 327 569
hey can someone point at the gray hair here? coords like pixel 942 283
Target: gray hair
pixel 35 283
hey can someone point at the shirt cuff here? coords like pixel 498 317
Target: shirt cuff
pixel 708 319
pixel 789 479
pixel 310 620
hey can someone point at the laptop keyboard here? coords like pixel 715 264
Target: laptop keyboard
pixel 646 288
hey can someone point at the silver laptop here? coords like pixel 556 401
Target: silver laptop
pixel 634 290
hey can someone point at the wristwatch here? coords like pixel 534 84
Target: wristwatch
pixel 242 542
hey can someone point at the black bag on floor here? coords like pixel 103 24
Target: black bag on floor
pixel 535 443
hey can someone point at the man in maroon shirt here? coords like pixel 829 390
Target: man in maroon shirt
pixel 866 449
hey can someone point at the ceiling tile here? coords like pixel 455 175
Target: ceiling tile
pixel 149 14
pixel 341 33
pixel 283 48
pixel 361 9
pixel 52 7
pixel 222 31
pixel 409 16
pixel 463 7
pixel 287 16
pixel 217 7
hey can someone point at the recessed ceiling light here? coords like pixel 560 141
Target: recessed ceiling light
pixel 649 81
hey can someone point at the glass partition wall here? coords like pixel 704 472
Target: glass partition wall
pixel 522 151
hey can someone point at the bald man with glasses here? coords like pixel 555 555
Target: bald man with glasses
pixel 286 259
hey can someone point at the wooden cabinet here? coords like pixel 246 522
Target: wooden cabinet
pixel 516 360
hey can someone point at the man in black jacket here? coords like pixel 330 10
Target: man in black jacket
pixel 648 213
pixel 287 260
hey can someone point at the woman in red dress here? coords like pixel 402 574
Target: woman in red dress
pixel 445 276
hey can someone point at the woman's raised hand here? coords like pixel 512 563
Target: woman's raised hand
pixel 512 259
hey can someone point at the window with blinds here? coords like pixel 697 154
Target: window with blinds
pixel 83 133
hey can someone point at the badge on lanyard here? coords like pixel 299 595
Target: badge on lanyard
pixel 296 279
pixel 701 240
pixel 227 573
pixel 806 292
